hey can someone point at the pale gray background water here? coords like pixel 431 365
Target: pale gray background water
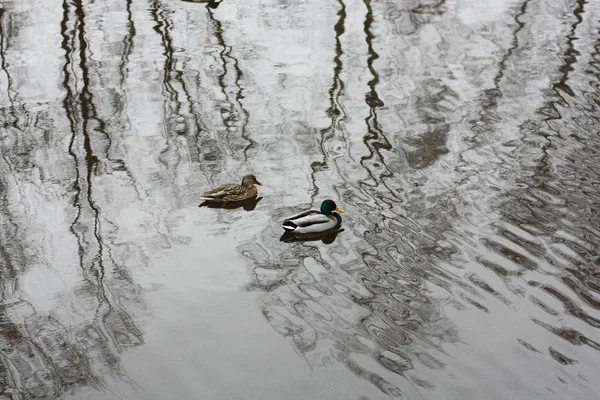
pixel 462 138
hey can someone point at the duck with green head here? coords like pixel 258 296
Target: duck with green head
pixel 315 221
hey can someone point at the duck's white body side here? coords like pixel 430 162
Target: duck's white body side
pixel 311 221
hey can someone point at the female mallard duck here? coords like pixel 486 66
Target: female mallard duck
pixel 313 221
pixel 232 192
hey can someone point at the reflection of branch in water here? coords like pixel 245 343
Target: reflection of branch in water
pixel 42 357
pixel 237 109
pixel 79 110
pixel 489 102
pixel 118 164
pixel 11 94
pixel 127 50
pixel 375 140
pixel 174 120
pixel 11 244
pixel 169 156
pixel 9 89
pixel 107 331
pixel 561 174
pixel 543 167
pixel 172 107
pixel 335 110
pixel 162 27
pixel 127 41
pixel 570 55
pixel 86 98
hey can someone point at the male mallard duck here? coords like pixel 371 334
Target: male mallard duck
pixel 232 192
pixel 313 221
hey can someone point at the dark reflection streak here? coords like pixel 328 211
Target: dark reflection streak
pixel 127 45
pixel 69 104
pixel 94 272
pixel 10 98
pixel 89 106
pixel 375 140
pixel 9 90
pixel 193 134
pixel 570 56
pixel 514 44
pixel 192 137
pixel 127 50
pixel 224 54
pixel 544 169
pixel 238 97
pixel 128 41
pixel 335 110
pixel 171 75
pixel 491 96
pixel 162 27
pixel 8 234
pixel 87 113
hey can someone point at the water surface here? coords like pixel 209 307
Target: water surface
pixel 461 137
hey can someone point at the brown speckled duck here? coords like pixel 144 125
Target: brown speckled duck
pixel 232 192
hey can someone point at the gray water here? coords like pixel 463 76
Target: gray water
pixel 461 137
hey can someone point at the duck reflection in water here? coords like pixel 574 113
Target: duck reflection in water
pixel 326 238
pixel 210 3
pixel 313 225
pixel 247 205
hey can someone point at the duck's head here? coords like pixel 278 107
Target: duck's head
pixel 328 206
pixel 250 180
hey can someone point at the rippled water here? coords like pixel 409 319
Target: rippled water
pixel 461 137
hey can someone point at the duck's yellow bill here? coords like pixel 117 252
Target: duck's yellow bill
pixel 339 210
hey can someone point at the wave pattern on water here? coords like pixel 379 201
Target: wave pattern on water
pixel 461 138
